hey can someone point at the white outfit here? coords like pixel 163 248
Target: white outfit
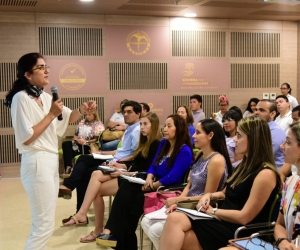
pixel 293 101
pixel 39 164
pixel 117 117
pixel 153 229
pixel 284 121
pixel 247 113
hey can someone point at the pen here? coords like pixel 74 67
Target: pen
pixel 199 208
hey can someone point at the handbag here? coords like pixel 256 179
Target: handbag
pixel 156 200
pixel 111 134
pixel 191 204
pixel 94 148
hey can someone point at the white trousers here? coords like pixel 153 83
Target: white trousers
pixel 153 230
pixel 39 176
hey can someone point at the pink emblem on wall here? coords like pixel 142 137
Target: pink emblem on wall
pixel 77 76
pixel 137 42
pixel 199 75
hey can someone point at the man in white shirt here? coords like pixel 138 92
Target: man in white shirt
pixel 285 114
pixel 195 106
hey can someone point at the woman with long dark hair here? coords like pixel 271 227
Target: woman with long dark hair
pixel 250 110
pixel 36 128
pixel 186 113
pixel 286 90
pixel 173 158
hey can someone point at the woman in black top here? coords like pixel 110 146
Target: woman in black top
pixel 248 195
pixel 98 187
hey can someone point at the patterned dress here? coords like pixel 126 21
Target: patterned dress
pixel 290 206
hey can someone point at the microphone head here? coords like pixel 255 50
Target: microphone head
pixel 53 89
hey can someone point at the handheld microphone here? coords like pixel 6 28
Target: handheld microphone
pixel 55 98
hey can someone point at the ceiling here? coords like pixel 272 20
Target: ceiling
pixel 288 10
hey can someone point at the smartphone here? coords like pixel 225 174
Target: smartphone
pixel 252 244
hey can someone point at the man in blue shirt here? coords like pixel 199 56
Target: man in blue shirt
pixel 86 164
pixel 266 109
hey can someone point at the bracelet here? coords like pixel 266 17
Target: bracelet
pixel 279 241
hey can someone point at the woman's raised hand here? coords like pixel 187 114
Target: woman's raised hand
pixel 56 108
pixel 88 107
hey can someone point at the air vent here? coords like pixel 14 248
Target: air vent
pixel 198 43
pixel 246 44
pixel 126 76
pixel 60 41
pixel 255 75
pixel 8 151
pixel 8 74
pixel 75 102
pixel 175 8
pixel 21 3
pixel 210 103
pixel 166 2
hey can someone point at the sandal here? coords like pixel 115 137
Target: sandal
pixel 107 240
pixel 77 222
pixel 69 218
pixel 85 240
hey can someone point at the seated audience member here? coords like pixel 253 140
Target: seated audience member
pixel 296 114
pixel 87 130
pixel 287 225
pixel 223 105
pixel 250 110
pixel 116 122
pixel 186 113
pixel 230 121
pixel 172 160
pixel 266 109
pixel 287 91
pixel 237 109
pixel 145 108
pixel 208 174
pixel 196 108
pixel 107 184
pixel 86 164
pixel 249 194
pixel 284 119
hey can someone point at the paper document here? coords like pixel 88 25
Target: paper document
pixel 133 179
pixel 102 157
pixel 159 215
pixel 194 214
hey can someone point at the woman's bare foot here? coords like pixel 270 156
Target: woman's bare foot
pixel 89 238
pixel 75 221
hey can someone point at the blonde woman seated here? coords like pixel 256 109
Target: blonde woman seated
pixel 249 194
pixel 87 130
pixel 106 185
pixel 185 112
pixel 208 174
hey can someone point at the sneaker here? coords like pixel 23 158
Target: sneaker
pixel 107 240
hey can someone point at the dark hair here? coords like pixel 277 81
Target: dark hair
pixel 256 100
pixel 182 138
pixel 297 109
pixel 288 86
pixel 283 97
pixel 198 97
pixel 25 64
pixel 233 115
pixel 146 106
pixel 218 142
pixel 189 116
pixel 238 110
pixel 137 108
pixel 272 105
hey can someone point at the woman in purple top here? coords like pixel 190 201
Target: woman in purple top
pixel 208 174
pixel 173 159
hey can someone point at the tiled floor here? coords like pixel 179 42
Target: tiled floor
pixel 15 221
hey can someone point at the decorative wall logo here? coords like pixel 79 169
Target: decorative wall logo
pixel 189 69
pixel 138 42
pixel 158 111
pixel 188 82
pixel 72 76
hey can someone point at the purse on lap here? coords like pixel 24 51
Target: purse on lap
pixel 191 204
pixel 111 135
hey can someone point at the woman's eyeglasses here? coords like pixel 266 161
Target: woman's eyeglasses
pixel 42 67
pixel 227 119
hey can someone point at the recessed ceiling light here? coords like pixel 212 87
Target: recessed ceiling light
pixel 86 0
pixel 190 15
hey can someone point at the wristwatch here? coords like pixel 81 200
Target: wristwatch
pixel 214 210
